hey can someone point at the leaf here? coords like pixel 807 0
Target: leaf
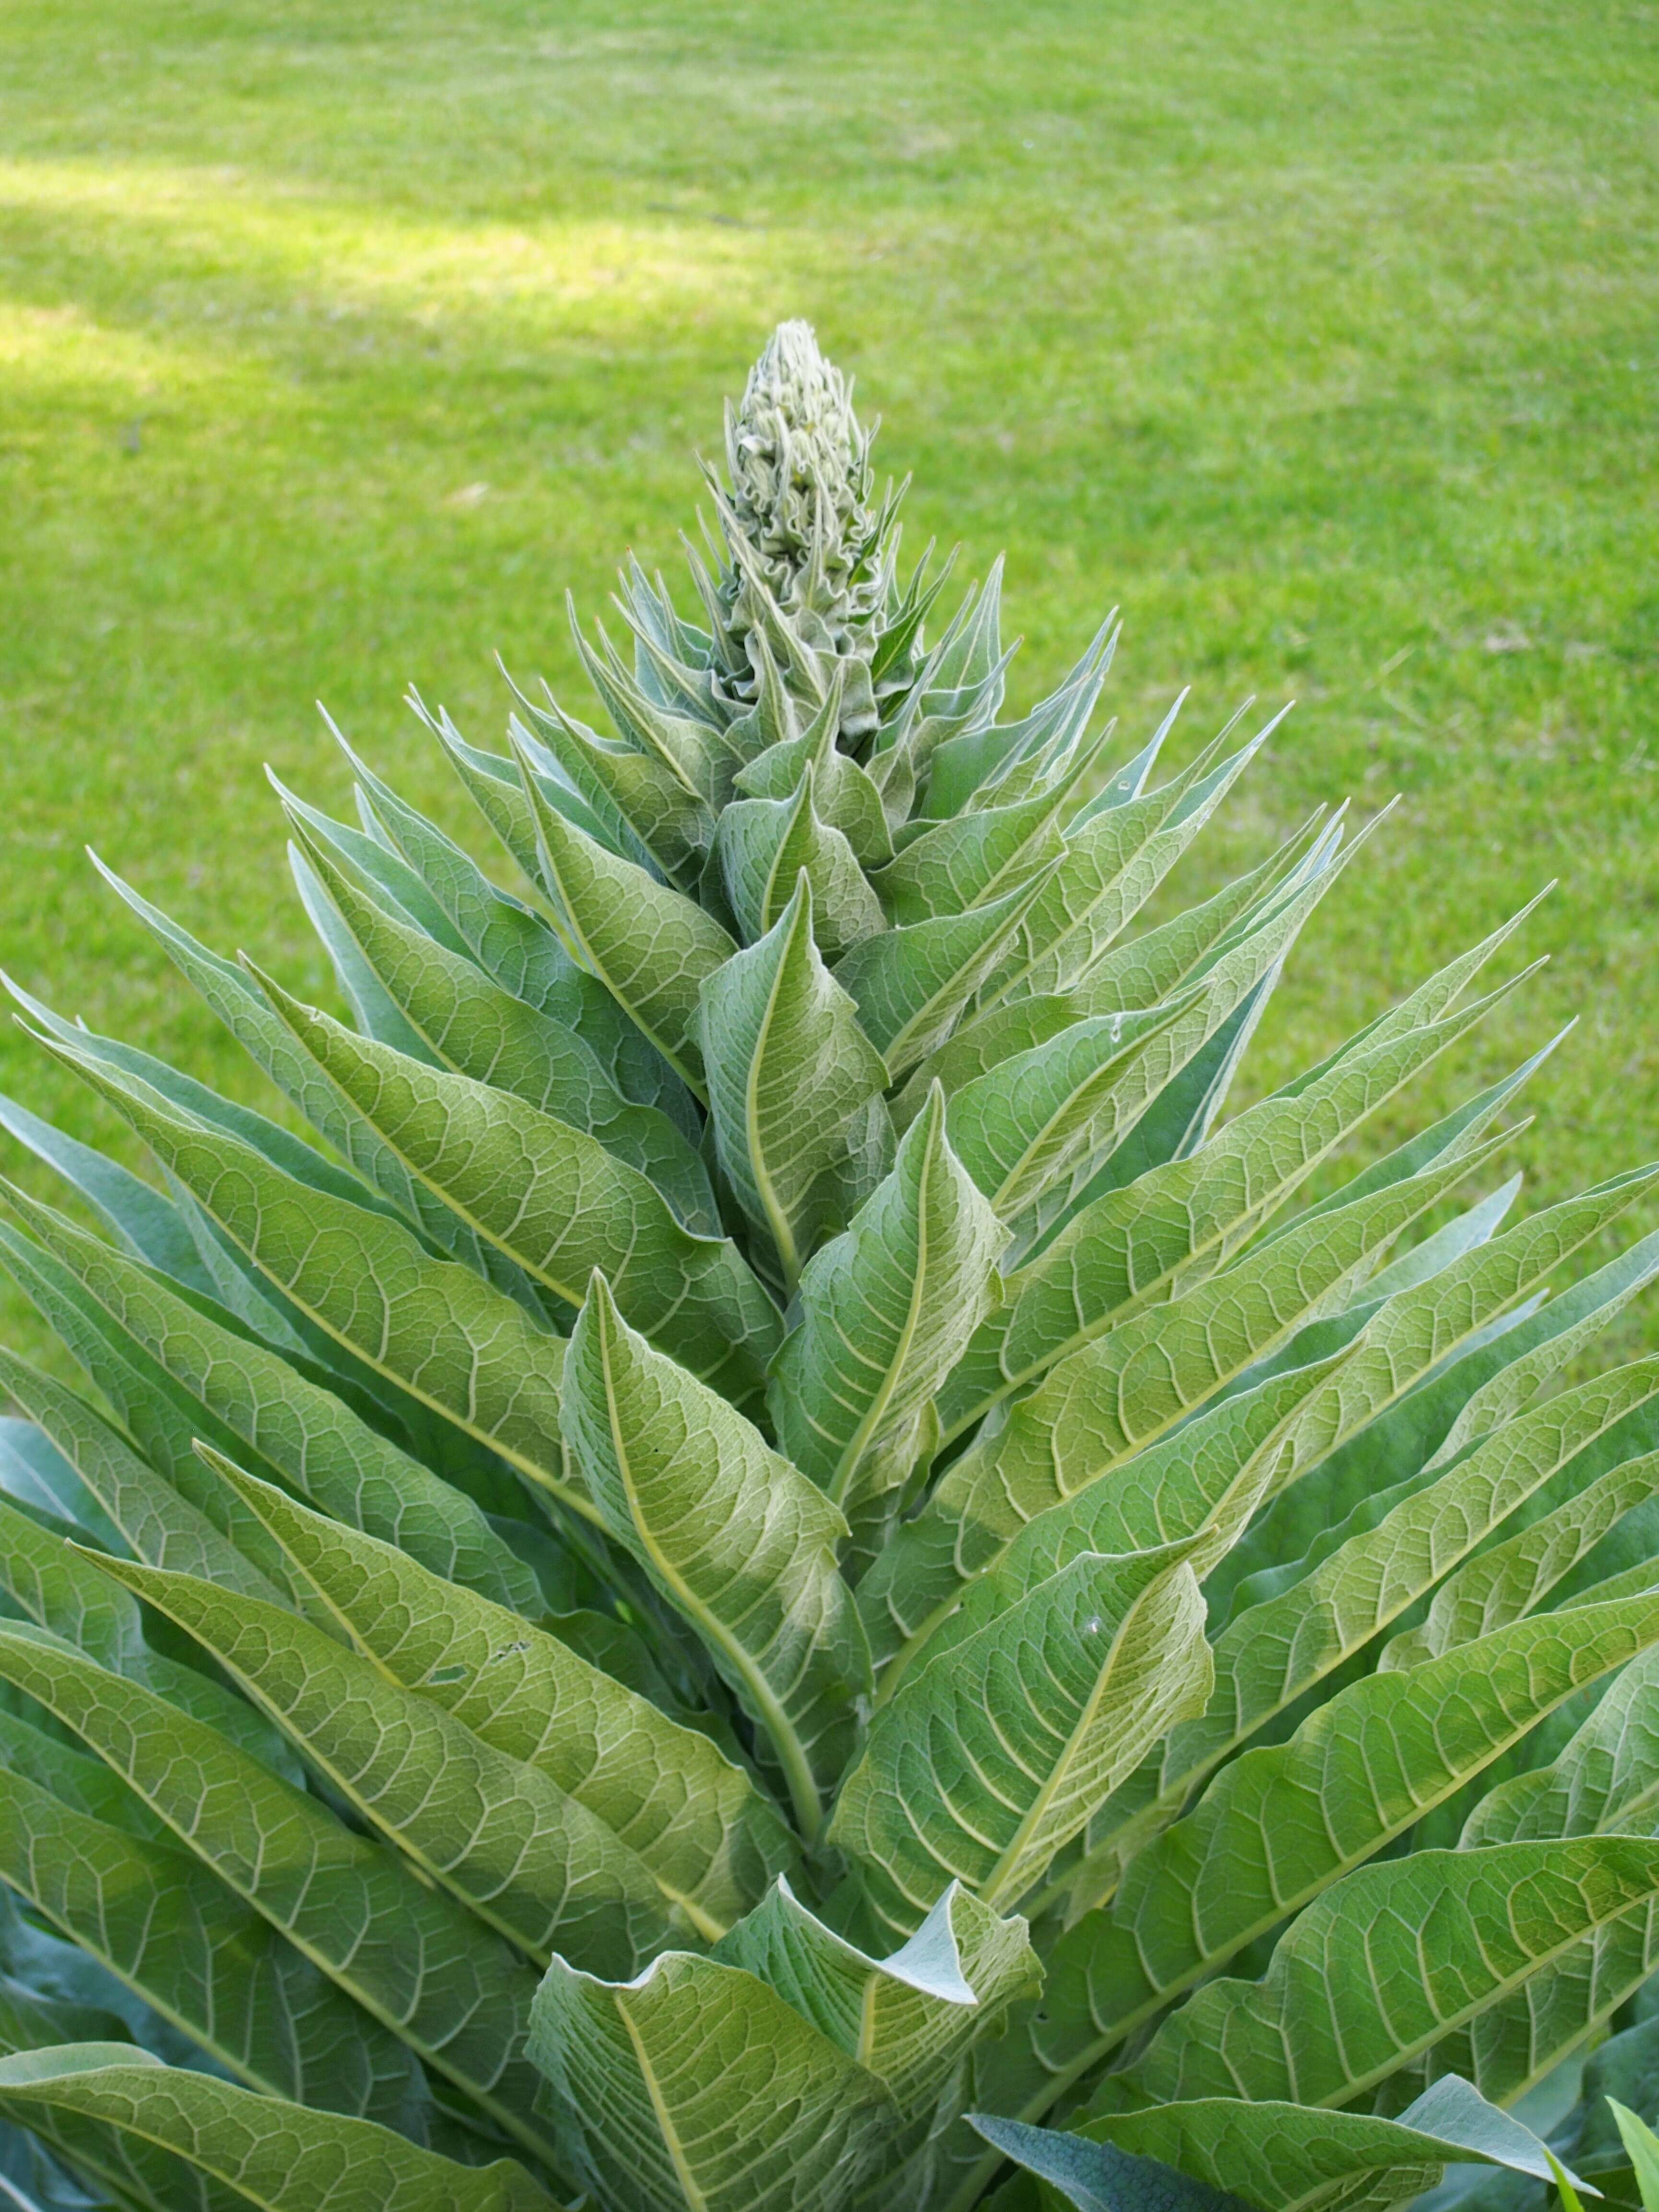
pixel 410 1954
pixel 142 1221
pixel 761 846
pixel 908 2018
pixel 518 950
pixel 369 861
pixel 692 748
pixel 1112 865
pixel 740 1543
pixel 553 1200
pixel 1046 1113
pixel 373 1011
pixel 1273 1652
pixel 1120 1393
pixel 57 1589
pixel 989 1760
pixel 278 2156
pixel 386 1188
pixel 696 2084
pixel 474 1028
pixel 1131 1246
pixel 1507 1582
pixel 1382 1966
pixel 1199 1483
pixel 156 1918
pixel 529 1860
pixel 1151 965
pixel 499 792
pixel 972 769
pixel 154 1520
pixel 1280 1825
pixel 911 985
pixel 885 1310
pixel 1643 2148
pixel 453 1342
pixel 984 851
pixel 1286 2156
pixel 1605 1777
pixel 710 1839
pixel 1466 1381
pixel 1513 2046
pixel 650 947
pixel 1099 2176
pixel 653 804
pixel 842 792
pixel 246 1394
pixel 795 1088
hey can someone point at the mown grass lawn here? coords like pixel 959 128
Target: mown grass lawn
pixel 335 340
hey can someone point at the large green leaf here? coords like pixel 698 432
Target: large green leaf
pixel 1382 1966
pixel 1273 1652
pixel 247 1395
pixel 1604 1777
pixel 1512 1578
pixel 1286 2158
pixel 1405 1414
pixel 475 1027
pixel 1198 1485
pixel 711 1840
pixel 1131 1246
pixel 372 1010
pixel 984 851
pixel 262 2151
pixel 1113 863
pixel 502 1836
pixel 653 803
pixel 795 1086
pixel 408 1952
pixel 160 1921
pixel 739 1541
pixel 554 1200
pixel 154 1520
pixel 453 1342
pixel 518 950
pixel 1043 1115
pixel 135 1212
pixel 764 845
pixel 1145 969
pixel 372 863
pixel 698 2085
pixel 650 947
pixel 499 791
pixel 885 1310
pixel 693 747
pixel 1281 1824
pixel 909 2017
pixel 1092 2177
pixel 843 794
pixel 992 1758
pixel 1116 1394
pixel 910 985
pixel 385 1185
pixel 1120 1393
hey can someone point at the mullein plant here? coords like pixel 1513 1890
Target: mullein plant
pixel 775 1572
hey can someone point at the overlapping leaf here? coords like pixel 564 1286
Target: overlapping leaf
pixel 794 1088
pixel 697 2084
pixel 741 1543
pixel 265 2151
pixel 410 1955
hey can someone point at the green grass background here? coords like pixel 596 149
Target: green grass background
pixel 337 340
